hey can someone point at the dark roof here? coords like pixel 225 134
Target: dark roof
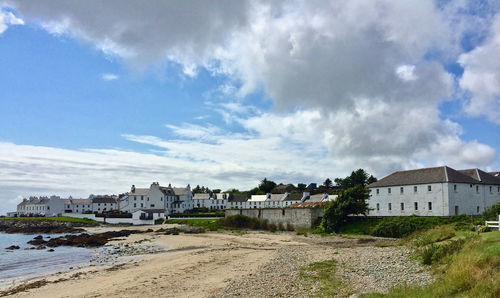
pixel 180 191
pixel 237 197
pixel 167 190
pixel 294 197
pixel 139 191
pixel 153 210
pixel 103 200
pixel 423 176
pixel 496 174
pixel 481 176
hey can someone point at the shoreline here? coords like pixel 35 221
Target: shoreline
pixel 215 264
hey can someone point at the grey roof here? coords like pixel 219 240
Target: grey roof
pixel 180 191
pixel 167 190
pixel 315 198
pixel 481 176
pixel 277 197
pixel 139 192
pixel 201 196
pixel 237 197
pixel 294 197
pixel 103 200
pixel 81 201
pixel 423 176
pixel 496 174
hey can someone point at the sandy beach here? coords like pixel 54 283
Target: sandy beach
pixel 216 264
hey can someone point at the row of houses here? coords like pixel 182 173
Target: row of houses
pixel 55 205
pixel 438 191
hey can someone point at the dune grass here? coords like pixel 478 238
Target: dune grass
pixel 468 267
pixel 207 223
pixel 60 218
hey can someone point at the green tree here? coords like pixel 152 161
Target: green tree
pixel 266 186
pixel 351 201
pixel 301 187
pixel 328 183
pixel 358 177
pixel 197 189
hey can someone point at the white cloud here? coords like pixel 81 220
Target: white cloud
pixel 8 18
pixel 109 77
pixel 481 77
pixel 355 83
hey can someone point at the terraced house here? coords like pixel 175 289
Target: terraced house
pixel 439 191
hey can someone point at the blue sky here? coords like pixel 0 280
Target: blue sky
pixel 93 102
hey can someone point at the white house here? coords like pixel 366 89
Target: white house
pixel 81 205
pixel 439 191
pixel 236 201
pixel 33 206
pixel 212 202
pixel 147 216
pixel 170 199
pixel 102 204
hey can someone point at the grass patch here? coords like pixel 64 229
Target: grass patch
pixel 325 274
pixel 469 269
pixel 61 218
pixel 207 223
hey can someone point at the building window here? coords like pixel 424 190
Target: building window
pixel 402 206
pixel 429 188
pixel 378 191
pixel 152 205
pixel 135 198
pixel 491 189
pixel 416 205
pixel 414 189
pixel 142 198
pixel 378 206
pixel 456 210
pixel 135 205
pixel 430 205
pixel 389 190
pixel 401 190
pixel 142 205
pixel 389 206
pixel 477 209
pixel 455 188
pixel 477 188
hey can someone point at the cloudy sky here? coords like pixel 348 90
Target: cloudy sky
pixel 98 95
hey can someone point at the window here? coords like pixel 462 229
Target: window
pixel 477 188
pixel 378 191
pixel 152 205
pixel 416 205
pixel 491 189
pixel 477 209
pixel 147 199
pixel 455 188
pixel 414 189
pixel 429 187
pixel 456 210
pixel 401 190
pixel 142 198
pixel 389 190
pixel 135 205
pixel 389 206
pixel 378 206
pixel 402 206
pixel 142 205
pixel 430 205
pixel 135 198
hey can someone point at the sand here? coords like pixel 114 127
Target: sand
pixel 189 265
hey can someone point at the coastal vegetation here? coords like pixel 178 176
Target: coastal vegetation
pixel 60 219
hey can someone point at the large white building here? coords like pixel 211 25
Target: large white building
pixel 171 199
pixel 439 191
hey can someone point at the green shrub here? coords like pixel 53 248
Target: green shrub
pixel 272 227
pixel 492 212
pixel 159 221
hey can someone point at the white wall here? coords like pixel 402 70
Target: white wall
pixel 438 196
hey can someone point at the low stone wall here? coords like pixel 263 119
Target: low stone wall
pixel 297 217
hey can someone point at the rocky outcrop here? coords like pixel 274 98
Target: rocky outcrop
pixel 82 240
pixel 41 226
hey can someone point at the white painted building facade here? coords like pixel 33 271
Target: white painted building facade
pixel 440 191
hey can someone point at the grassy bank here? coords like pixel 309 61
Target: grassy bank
pixel 61 219
pixel 466 264
pixel 207 223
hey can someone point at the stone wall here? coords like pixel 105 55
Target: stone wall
pixel 297 217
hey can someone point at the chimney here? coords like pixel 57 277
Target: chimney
pixel 132 189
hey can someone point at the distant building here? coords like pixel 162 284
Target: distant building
pixel 439 191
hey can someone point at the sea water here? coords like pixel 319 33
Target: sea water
pixel 20 265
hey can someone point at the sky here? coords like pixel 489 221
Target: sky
pixel 98 95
